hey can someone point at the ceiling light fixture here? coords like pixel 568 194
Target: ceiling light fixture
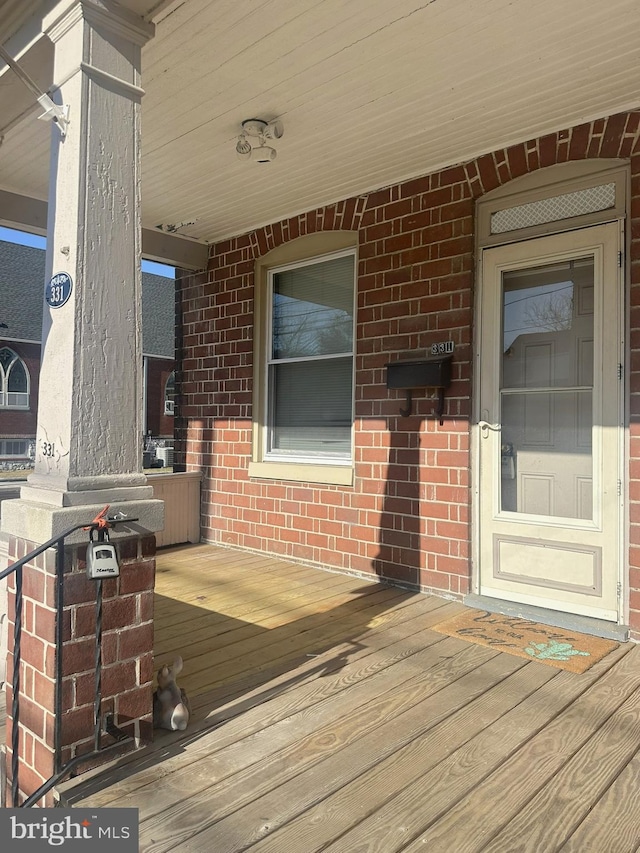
pixel 255 129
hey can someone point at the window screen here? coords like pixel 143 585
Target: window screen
pixel 310 366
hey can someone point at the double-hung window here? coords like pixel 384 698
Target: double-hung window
pixel 309 361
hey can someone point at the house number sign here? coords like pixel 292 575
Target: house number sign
pixel 442 348
pixel 58 290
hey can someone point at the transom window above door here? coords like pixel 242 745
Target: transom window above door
pixel 309 364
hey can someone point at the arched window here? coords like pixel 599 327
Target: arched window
pixel 169 393
pixel 14 381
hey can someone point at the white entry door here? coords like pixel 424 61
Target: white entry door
pixel 549 429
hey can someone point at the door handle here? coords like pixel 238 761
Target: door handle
pixel 485 426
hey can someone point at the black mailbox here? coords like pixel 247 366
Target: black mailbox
pixel 429 373
pixel 434 372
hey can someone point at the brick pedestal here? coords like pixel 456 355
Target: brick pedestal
pixel 127 655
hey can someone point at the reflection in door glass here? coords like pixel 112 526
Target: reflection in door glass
pixel 546 392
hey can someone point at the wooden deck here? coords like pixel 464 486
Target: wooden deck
pixel 329 717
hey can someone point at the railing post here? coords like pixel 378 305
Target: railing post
pixel 15 687
pixel 57 731
pixel 97 702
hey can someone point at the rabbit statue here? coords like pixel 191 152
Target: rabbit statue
pixel 171 709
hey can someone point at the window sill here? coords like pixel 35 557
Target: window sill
pixel 336 475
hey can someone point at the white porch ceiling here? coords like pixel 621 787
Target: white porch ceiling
pixel 369 92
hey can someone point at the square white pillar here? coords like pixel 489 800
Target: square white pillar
pixel 89 432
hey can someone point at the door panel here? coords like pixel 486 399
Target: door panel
pixel 549 438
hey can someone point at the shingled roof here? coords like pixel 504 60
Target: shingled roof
pixel 22 272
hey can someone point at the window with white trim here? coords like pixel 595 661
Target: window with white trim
pixel 309 361
pixel 14 448
pixel 14 381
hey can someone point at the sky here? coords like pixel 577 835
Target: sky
pixel 9 235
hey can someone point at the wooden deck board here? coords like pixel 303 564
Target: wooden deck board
pixel 309 634
pixel 619 807
pixel 333 816
pixel 263 699
pixel 329 717
pixel 366 703
pixel 585 777
pixel 350 767
pixel 528 766
pixel 301 742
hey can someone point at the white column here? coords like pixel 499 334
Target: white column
pixel 89 434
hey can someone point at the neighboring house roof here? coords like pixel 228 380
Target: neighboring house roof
pixel 22 270
pixel 158 315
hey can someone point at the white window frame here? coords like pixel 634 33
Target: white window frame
pixel 5 394
pixel 319 457
pixel 3 448
pixel 309 468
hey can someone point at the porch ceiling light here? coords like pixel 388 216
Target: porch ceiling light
pixel 252 141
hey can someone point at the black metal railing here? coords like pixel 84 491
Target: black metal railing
pixel 120 737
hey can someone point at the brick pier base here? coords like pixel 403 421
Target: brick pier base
pixel 127 655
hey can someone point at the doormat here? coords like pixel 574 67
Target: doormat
pixel 545 643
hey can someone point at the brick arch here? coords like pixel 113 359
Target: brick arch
pixel 617 136
pixel 345 215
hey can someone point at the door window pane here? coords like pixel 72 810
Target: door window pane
pixel 546 460
pixel 548 326
pixel 546 396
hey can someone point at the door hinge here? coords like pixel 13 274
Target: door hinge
pixel 620 371
pixel 619 589
pixel 619 488
pixel 620 259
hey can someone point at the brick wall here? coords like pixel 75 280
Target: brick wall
pixel 127 654
pixel 407 516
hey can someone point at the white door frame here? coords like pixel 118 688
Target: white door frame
pixel 622 419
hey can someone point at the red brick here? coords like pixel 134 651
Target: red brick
pixel 137 577
pixel 517 161
pixel 133 642
pixel 77 724
pixel 78 656
pixel 78 589
pixel 119 612
pixel 488 173
pixel 134 703
pixel 43 760
pixel 579 144
pixel 613 135
pixel 119 678
pixel 32 650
